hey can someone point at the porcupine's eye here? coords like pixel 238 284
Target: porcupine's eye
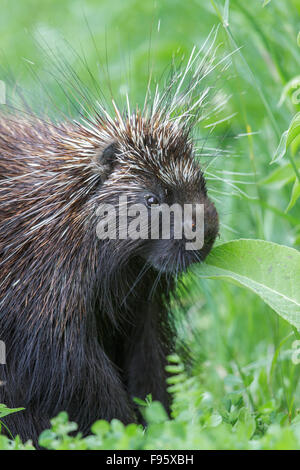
pixel 152 200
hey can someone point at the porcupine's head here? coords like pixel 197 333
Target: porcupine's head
pixel 149 158
pixel 150 162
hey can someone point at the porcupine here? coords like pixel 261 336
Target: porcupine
pixel 86 322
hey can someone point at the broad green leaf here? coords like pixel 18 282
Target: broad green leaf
pixel 287 138
pixel 272 271
pixel 294 196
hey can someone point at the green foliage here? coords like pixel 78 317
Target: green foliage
pixel 11 444
pixel 288 138
pixel 198 422
pixel 4 410
pixel 242 390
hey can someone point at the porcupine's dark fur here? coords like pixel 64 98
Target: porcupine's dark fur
pixel 85 322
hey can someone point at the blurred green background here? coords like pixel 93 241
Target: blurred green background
pixel 238 343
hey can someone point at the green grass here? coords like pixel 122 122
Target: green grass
pixel 243 390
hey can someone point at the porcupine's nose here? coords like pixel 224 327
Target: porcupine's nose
pixel 192 221
pixel 202 222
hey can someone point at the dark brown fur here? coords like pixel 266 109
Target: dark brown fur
pixel 84 330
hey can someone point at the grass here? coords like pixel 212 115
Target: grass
pixel 245 385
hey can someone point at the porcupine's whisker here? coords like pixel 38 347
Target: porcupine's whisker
pixel 180 78
pixel 67 72
pixel 67 95
pixel 212 149
pixel 215 199
pixel 212 177
pixel 230 183
pixel 221 193
pixel 191 61
pixel 236 232
pixel 235 173
pixel 140 275
pixel 157 279
pixel 221 104
pixel 214 158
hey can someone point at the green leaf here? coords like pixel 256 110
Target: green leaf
pixel 175 369
pixel 139 401
pixel 100 427
pixel 294 196
pixel 287 138
pixel 155 413
pixel 4 411
pixel 271 271
pixel 291 85
pixel 266 2
pixel 295 145
pixel 245 425
pixel 281 176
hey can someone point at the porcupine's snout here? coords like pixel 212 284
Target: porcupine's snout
pixel 199 229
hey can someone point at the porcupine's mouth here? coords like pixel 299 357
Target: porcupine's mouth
pixel 173 255
pixel 176 259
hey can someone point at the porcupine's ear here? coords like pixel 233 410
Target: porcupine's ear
pixel 105 159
